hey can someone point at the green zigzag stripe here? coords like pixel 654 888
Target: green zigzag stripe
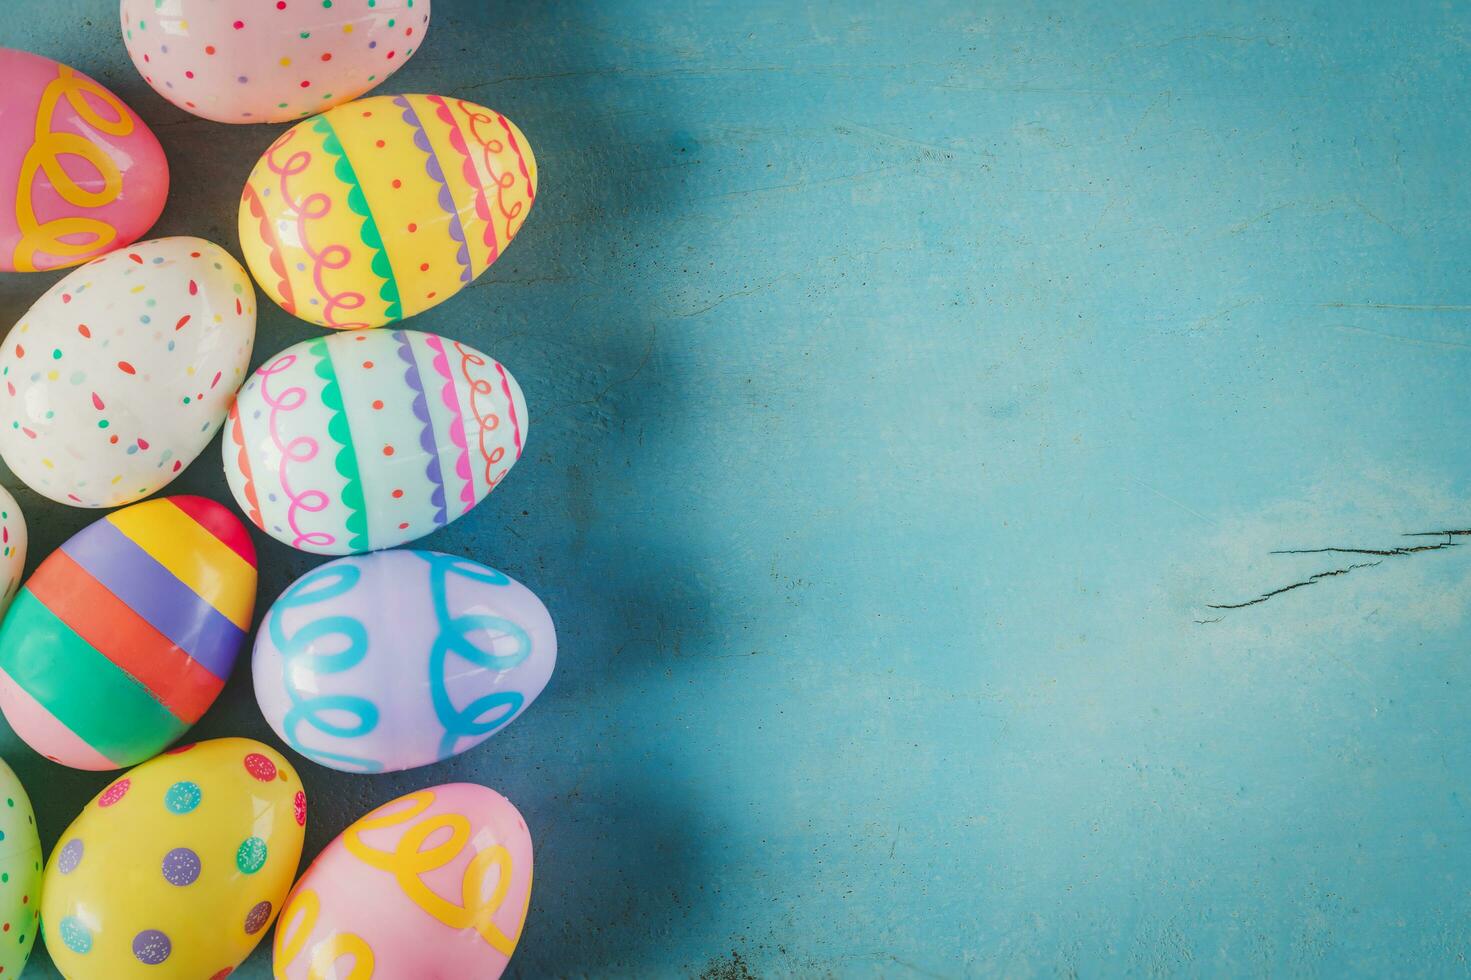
pixel 358 204
pixel 347 458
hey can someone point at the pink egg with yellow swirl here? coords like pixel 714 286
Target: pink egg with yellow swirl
pixel 432 884
pixel 269 60
pixel 80 173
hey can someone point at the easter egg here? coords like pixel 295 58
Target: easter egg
pixel 381 208
pixel 20 874
pixel 80 173
pixel 271 60
pixel 119 375
pixel 383 901
pixel 121 639
pixel 352 442
pixel 397 659
pixel 12 549
pixel 178 868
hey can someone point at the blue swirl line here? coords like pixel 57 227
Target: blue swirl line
pixel 479 717
pixel 298 653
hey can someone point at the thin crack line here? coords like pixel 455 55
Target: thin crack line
pixel 1384 553
pixel 1310 580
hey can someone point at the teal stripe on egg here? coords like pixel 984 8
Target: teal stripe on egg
pixel 380 409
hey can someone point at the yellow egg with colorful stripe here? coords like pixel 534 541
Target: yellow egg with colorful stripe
pixel 177 869
pixel 381 208
pixel 124 635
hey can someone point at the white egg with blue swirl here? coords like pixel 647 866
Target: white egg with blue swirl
pixel 397 659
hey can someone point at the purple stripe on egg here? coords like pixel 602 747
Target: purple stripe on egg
pixel 426 437
pixel 436 174
pixel 152 591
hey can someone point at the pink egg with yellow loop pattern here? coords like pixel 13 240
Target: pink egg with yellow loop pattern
pixel 80 173
pixel 269 60
pixel 432 884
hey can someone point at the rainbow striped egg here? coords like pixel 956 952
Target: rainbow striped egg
pixel 124 635
pixel 381 208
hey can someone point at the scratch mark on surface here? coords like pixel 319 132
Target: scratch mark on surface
pixel 848 128
pixel 1211 318
pixel 1400 338
pixel 921 971
pixel 1270 42
pixel 633 375
pixel 1415 307
pixel 1178 503
pixel 1364 209
pixel 1237 229
pixel 805 184
pixel 1164 96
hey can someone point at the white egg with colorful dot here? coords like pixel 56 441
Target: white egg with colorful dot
pixel 269 60
pixel 122 372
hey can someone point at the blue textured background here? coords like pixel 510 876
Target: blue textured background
pixel 905 385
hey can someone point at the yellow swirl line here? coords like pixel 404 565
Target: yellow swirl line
pixel 45 155
pixel 326 953
pixel 408 862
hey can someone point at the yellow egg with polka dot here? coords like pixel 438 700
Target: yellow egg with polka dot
pixel 381 208
pixel 178 868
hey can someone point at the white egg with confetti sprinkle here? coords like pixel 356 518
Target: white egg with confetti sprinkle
pixel 122 372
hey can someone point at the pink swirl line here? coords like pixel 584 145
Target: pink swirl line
pixel 311 501
pixel 308 209
pixel 472 177
pixel 457 420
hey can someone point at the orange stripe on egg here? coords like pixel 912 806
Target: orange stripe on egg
pixel 180 683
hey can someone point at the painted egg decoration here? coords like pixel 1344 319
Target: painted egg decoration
pixel 352 442
pixel 13 540
pixel 345 680
pixel 178 868
pixel 380 901
pixel 80 173
pixel 271 61
pixel 379 209
pixel 20 874
pixel 119 375
pixel 123 637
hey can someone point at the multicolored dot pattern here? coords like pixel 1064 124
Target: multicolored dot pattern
pixel 20 875
pixel 13 541
pixel 129 363
pixel 181 864
pixel 269 60
pixel 382 208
